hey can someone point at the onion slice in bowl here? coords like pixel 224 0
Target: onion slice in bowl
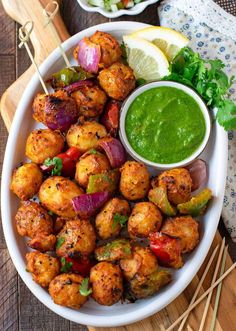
pixel 114 150
pixel 89 55
pixel 198 173
pixel 77 85
pixel 86 205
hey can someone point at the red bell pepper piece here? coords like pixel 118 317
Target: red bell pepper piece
pixel 110 117
pixel 80 265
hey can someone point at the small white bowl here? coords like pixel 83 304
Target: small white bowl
pixel 137 9
pixel 149 86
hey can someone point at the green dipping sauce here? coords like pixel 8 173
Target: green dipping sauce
pixel 165 125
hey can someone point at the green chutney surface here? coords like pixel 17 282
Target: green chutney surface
pixel 165 125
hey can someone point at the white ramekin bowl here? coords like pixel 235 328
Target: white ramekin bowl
pixel 137 9
pixel 148 86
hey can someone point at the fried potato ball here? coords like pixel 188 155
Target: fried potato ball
pixel 145 218
pixel 42 144
pixel 110 48
pixel 65 290
pixel 178 183
pixel 90 164
pixel 143 263
pixel 43 243
pixel 185 228
pixel 106 225
pixel 90 100
pixel 106 281
pixel 85 136
pixel 43 267
pixel 59 223
pixel 134 180
pixel 117 81
pixel 26 181
pixel 56 194
pixel 38 107
pixel 77 237
pixel 32 219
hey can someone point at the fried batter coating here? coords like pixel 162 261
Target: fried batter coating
pixel 43 243
pixel 26 181
pixel 90 164
pixel 134 181
pixel 178 183
pixel 77 237
pixel 117 81
pixel 85 136
pixel 39 107
pixel 43 267
pixel 106 281
pixel 56 194
pixel 145 218
pixel 90 100
pixel 32 219
pixel 105 223
pixel 143 263
pixel 65 290
pixel 185 228
pixel 42 144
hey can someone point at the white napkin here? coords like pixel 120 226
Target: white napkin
pixel 212 33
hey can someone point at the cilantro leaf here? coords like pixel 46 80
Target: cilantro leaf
pixel 60 241
pixel 119 219
pixel 209 80
pixel 140 81
pixel 65 266
pixel 83 289
pixel 56 162
pixel 50 212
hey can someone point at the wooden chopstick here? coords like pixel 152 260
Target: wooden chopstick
pixel 212 328
pixel 199 285
pixel 212 282
pixel 190 308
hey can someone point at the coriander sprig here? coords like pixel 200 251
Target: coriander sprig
pixel 84 287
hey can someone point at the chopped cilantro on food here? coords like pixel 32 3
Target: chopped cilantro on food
pixel 60 241
pixel 84 288
pixel 119 219
pixel 65 266
pixel 209 80
pixel 56 162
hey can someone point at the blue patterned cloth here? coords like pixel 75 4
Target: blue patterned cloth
pixel 212 33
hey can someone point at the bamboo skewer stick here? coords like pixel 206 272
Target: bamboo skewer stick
pixel 212 282
pixel 212 328
pixel 199 285
pixel 225 274
pixel 24 36
pixel 50 16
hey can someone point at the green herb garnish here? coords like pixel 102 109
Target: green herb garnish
pixel 209 80
pixel 60 241
pixel 119 219
pixel 84 289
pixel 93 151
pixel 123 50
pixel 50 212
pixel 140 81
pixel 57 163
pixel 65 266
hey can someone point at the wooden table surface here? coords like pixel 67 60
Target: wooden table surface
pixel 19 309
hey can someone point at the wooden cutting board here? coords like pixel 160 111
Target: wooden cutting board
pixel 43 44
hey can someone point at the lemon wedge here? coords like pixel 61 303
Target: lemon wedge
pixel 146 59
pixel 168 40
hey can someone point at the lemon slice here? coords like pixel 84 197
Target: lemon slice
pixel 146 59
pixel 168 40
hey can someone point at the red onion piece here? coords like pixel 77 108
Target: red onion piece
pixel 89 55
pixel 60 114
pixel 86 205
pixel 77 85
pixel 198 173
pixel 45 168
pixel 114 151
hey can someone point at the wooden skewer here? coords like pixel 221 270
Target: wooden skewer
pixel 189 328
pixel 190 308
pixel 199 285
pixel 24 35
pixel 50 16
pixel 162 328
pixel 212 328
pixel 212 282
